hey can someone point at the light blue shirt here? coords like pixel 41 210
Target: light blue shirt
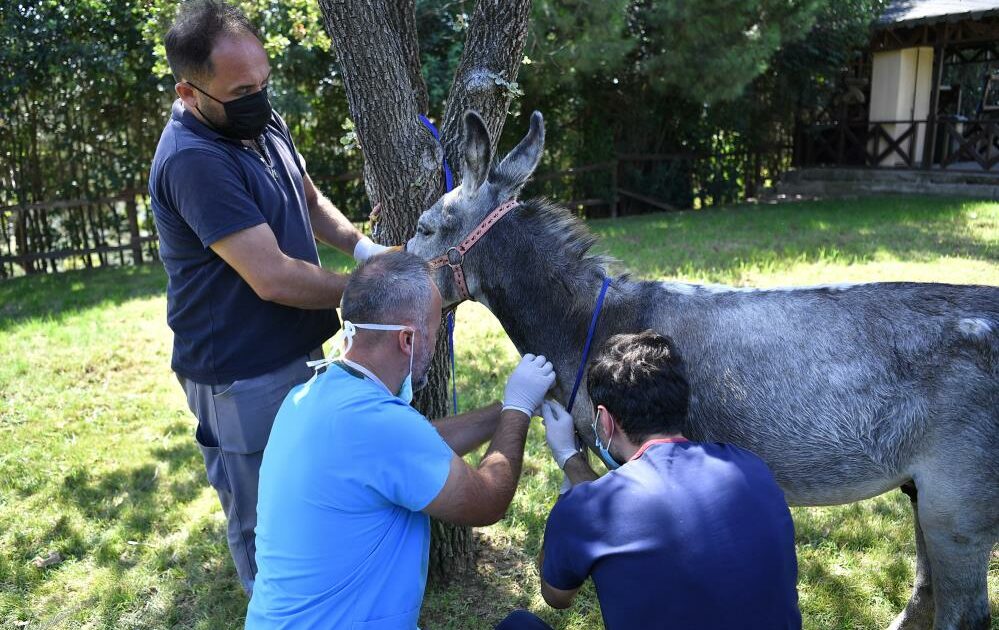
pixel 341 539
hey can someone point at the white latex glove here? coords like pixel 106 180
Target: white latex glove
pixel 528 384
pixel 366 248
pixel 560 433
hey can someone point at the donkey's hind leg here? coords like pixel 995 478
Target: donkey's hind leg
pixel 918 613
pixel 960 522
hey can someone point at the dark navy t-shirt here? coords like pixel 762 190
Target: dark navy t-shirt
pixel 204 187
pixel 689 535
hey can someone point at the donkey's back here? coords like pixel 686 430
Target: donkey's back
pixel 846 391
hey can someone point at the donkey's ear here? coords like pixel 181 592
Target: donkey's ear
pixel 517 167
pixel 478 155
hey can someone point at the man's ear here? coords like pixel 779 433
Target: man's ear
pixel 517 167
pixel 186 93
pixel 406 341
pixel 607 421
pixel 478 154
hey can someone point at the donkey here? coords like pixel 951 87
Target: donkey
pixel 845 391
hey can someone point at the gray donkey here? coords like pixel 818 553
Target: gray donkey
pixel 845 391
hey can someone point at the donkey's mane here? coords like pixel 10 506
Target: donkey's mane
pixel 566 239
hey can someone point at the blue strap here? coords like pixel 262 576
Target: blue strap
pixel 450 344
pixel 448 185
pixel 448 179
pixel 589 340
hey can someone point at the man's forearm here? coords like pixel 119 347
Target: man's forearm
pixel 304 285
pixel 276 277
pixel 466 432
pixel 578 470
pixel 330 225
pixel 503 461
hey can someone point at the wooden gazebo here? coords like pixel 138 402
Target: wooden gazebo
pixel 925 97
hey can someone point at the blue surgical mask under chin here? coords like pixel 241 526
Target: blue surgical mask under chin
pixel 605 455
pixel 406 391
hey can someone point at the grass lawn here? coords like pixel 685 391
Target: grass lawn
pixel 99 472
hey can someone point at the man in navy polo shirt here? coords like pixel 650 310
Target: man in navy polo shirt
pixel 679 534
pixel 238 218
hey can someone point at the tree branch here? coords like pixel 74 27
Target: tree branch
pixel 490 62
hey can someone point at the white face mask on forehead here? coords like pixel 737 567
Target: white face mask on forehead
pixel 349 330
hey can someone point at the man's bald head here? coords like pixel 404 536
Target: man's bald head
pixel 391 288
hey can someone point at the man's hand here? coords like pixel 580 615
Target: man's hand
pixel 528 384
pixel 560 433
pixel 366 248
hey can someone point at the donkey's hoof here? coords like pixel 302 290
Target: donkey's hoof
pixel 918 613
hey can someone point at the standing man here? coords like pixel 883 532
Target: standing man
pixel 678 534
pixel 352 472
pixel 238 218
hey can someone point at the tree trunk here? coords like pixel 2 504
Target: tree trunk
pixel 376 44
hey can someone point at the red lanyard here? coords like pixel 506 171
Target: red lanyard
pixel 645 447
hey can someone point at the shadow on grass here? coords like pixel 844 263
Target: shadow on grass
pixel 135 500
pixel 210 595
pixel 59 295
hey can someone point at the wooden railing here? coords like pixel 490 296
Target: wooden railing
pixel 971 141
pixel 747 173
pixel 56 235
pixel 944 143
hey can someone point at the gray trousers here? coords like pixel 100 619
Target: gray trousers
pixel 234 422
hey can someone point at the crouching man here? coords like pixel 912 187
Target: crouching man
pixel 351 471
pixel 679 534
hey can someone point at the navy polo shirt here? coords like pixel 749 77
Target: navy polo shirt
pixel 204 187
pixel 688 535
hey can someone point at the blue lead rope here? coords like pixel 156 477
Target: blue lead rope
pixel 448 185
pixel 448 179
pixel 450 344
pixel 589 341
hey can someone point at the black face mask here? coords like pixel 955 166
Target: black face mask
pixel 247 116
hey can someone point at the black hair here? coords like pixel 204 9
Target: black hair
pixel 641 379
pixel 198 25
pixel 390 288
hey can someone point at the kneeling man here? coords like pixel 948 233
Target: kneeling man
pixel 351 471
pixel 679 534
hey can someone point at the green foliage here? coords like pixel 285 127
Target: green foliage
pixel 85 89
pixel 79 102
pixel 441 25
pixel 711 49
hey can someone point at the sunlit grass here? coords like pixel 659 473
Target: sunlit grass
pixel 98 461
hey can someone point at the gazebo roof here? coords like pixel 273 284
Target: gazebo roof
pixel 907 13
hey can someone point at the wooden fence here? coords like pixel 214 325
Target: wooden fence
pixel 710 179
pixel 119 230
pixel 72 234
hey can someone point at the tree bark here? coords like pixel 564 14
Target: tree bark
pixel 490 62
pixel 376 44
pixel 401 171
